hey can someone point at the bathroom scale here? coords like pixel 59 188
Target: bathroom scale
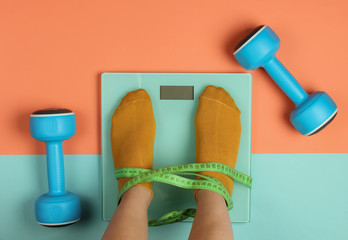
pixel 174 99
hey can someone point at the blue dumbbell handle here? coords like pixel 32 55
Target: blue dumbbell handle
pixel 55 168
pixel 285 81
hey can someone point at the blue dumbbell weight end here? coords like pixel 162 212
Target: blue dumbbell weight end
pixel 312 112
pixel 57 207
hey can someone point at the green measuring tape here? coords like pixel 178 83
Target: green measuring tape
pixel 170 175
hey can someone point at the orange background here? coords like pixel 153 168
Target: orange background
pixel 53 52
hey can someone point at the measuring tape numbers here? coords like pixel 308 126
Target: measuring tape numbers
pixel 174 176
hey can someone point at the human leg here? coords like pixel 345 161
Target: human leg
pixel 132 140
pixel 218 130
pixel 212 220
pixel 129 221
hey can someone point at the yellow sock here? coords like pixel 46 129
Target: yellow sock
pixel 133 134
pixel 218 130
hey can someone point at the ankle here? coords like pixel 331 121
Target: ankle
pixel 137 195
pixel 207 197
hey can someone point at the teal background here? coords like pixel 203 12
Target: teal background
pixel 294 196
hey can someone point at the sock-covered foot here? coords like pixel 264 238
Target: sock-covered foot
pixel 218 130
pixel 133 130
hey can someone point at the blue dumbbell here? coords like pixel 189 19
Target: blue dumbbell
pixel 312 112
pixel 57 207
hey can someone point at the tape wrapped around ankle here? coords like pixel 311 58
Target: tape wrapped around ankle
pixel 170 175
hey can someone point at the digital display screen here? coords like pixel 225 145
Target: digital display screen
pixel 177 93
